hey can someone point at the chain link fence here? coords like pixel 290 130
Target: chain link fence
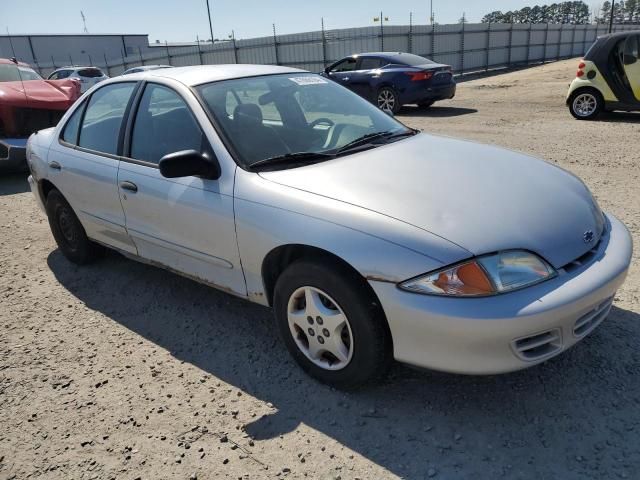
pixel 467 47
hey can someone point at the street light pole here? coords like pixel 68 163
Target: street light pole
pixel 613 5
pixel 431 10
pixel 210 24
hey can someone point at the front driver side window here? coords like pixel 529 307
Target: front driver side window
pixel 103 118
pixel 347 65
pixel 163 124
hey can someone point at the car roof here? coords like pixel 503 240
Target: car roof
pixel 385 54
pixel 199 74
pixel 619 34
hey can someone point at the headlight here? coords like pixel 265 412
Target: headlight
pixel 486 275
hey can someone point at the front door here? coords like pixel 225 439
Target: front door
pixel 186 224
pixel 342 72
pixel 631 61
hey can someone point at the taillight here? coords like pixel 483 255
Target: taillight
pixel 419 76
pixel 580 72
pixel 581 65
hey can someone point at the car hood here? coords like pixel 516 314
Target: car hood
pixel 482 198
pixel 50 94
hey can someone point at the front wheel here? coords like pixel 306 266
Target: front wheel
pixel 330 324
pixel 586 104
pixel 387 99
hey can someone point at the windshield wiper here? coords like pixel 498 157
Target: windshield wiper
pixel 369 137
pixel 292 158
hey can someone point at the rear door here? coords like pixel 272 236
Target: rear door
pixel 83 164
pixel 185 224
pixel 631 61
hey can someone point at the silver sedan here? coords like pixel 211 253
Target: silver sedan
pixel 370 240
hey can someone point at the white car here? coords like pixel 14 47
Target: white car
pixel 88 76
pixel 370 240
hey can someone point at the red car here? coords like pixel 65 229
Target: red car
pixel 28 104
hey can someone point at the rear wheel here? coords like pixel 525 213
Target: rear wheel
pixel 387 99
pixel 69 232
pixel 330 324
pixel 586 104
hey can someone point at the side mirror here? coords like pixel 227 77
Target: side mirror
pixel 629 59
pixel 187 163
pixel 327 70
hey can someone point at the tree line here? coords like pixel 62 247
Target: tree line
pixel 577 13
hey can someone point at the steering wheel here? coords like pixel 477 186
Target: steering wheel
pixel 320 121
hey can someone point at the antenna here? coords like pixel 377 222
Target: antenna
pixel 84 22
pixel 15 61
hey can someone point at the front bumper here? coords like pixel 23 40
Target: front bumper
pixel 491 334
pixel 13 153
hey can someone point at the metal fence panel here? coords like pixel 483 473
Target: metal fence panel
pixel 466 47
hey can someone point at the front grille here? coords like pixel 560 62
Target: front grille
pixel 30 120
pixel 591 320
pixel 539 346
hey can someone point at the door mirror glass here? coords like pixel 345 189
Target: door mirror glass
pixel 188 163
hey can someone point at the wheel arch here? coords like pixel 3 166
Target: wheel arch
pixel 279 258
pixel 585 88
pixel 46 186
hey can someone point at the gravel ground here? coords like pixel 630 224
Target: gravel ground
pixel 120 370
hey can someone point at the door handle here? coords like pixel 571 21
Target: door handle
pixel 345 79
pixel 130 186
pixel 55 165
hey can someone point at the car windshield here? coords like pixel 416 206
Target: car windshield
pixel 16 73
pixel 295 116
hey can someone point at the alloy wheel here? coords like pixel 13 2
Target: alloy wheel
pixel 386 100
pixel 320 328
pixel 585 104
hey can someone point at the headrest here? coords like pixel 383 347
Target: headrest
pixel 247 114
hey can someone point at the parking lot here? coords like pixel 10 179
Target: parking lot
pixel 121 370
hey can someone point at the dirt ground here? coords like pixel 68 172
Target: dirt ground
pixel 120 370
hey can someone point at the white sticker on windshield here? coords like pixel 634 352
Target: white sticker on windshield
pixel 310 80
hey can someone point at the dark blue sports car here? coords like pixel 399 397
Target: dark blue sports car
pixel 393 79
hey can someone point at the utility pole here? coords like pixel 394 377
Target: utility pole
pixel 431 13
pixel 210 24
pixel 613 7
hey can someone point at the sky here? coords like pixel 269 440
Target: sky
pixel 183 20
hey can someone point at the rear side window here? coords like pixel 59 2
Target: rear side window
pixel 90 72
pixel 370 63
pixel 60 75
pixel 70 132
pixel 101 125
pixel 631 50
pixel 163 124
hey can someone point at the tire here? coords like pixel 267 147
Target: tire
pixel 426 105
pixel 586 104
pixel 69 232
pixel 364 341
pixel 387 97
